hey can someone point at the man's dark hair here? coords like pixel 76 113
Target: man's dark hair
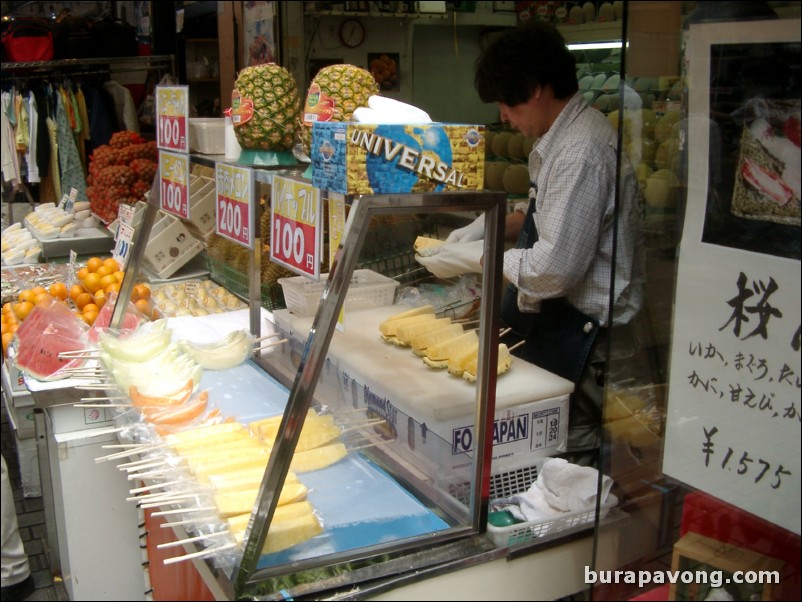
pixel 520 60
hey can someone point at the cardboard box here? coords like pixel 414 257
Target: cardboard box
pixel 68 418
pixel 697 553
pixel 361 158
pixel 12 377
pixel 427 414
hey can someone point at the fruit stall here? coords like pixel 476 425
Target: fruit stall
pixel 286 435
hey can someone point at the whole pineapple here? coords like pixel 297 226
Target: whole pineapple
pixel 266 108
pixel 342 88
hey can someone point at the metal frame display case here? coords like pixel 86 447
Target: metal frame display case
pixel 454 503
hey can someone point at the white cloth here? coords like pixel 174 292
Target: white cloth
pixel 8 147
pixel 123 105
pixel 15 568
pixel 33 130
pixel 561 488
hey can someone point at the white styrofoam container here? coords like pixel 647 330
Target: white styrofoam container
pixel 202 196
pixel 19 407
pixel 68 418
pixel 12 377
pixel 207 135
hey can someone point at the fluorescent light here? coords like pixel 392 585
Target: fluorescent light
pixel 595 46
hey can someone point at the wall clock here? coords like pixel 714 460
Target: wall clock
pixel 352 33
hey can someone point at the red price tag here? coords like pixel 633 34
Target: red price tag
pixel 172 133
pixel 174 183
pixel 296 223
pixel 234 203
pixel 172 118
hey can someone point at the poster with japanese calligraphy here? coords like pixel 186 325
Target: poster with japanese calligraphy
pixel 733 414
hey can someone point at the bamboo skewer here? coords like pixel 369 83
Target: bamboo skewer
pixel 180 542
pixel 518 344
pixel 178 499
pixel 181 510
pixel 269 345
pixel 207 552
pixel 102 405
pixel 267 336
pixel 189 521
pixel 127 452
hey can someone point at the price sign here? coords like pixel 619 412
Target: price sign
pixel 172 118
pixel 122 247
pixel 295 221
pixel 235 202
pixel 174 183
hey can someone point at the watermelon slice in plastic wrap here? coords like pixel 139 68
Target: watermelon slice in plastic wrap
pixel 133 318
pixel 45 333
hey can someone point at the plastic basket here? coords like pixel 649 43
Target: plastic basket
pixel 368 289
pixel 510 535
pixel 237 282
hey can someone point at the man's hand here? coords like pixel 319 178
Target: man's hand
pixel 454 259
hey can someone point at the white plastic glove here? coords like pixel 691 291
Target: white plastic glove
pixel 473 231
pixel 454 259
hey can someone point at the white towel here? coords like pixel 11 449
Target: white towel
pixel 560 489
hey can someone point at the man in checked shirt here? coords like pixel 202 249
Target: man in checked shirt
pixel 573 273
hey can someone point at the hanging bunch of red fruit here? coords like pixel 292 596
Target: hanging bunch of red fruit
pixel 121 171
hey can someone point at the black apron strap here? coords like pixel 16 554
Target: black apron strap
pixel 560 337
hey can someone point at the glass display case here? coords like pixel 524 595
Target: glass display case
pixel 389 485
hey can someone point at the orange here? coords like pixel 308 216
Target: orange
pixel 42 298
pixel 143 305
pixel 7 336
pixel 75 290
pixel 22 309
pixel 59 290
pixel 111 264
pixel 82 300
pixel 90 308
pixel 143 291
pixel 112 288
pixel 119 275
pixel 107 280
pixel 82 273
pixel 100 297
pixel 38 290
pixel 94 263
pixel 89 317
pixel 26 295
pixel 92 282
pixel 5 327
pixel 103 271
pixel 7 307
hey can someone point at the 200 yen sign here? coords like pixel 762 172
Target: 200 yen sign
pixel 230 218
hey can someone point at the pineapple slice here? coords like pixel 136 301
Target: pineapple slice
pixel 504 363
pixel 319 457
pixel 232 503
pixel 388 330
pixel 458 362
pixel 245 478
pixel 312 436
pixel 405 333
pixel 437 355
pixel 410 313
pixel 282 513
pixel 267 431
pixel 423 341
pixel 423 243
pixel 273 421
pixel 286 532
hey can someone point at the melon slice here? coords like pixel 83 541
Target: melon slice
pixel 286 533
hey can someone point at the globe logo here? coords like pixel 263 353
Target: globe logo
pixel 429 141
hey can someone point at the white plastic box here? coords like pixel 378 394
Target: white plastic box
pixel 202 193
pixel 207 135
pixel 28 456
pixel 368 289
pixel 170 246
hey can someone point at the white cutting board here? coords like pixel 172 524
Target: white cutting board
pixel 401 376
